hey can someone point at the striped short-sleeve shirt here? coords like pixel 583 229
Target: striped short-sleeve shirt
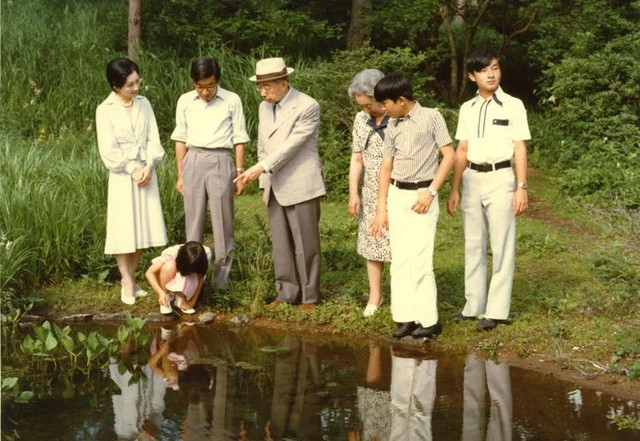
pixel 414 142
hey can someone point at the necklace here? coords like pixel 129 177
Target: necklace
pixel 129 104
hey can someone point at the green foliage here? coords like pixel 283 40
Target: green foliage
pixel 50 85
pixel 68 350
pixel 11 390
pixel 625 422
pixel 596 115
pixel 276 27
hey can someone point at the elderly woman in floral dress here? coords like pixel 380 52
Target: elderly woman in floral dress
pixel 368 136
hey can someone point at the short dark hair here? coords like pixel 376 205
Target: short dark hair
pixel 192 258
pixel 205 67
pixel 119 69
pixel 392 87
pixel 481 58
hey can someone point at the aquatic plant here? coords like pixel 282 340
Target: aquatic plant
pixel 11 390
pixel 11 321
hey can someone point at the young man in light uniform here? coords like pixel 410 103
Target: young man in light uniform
pixel 492 130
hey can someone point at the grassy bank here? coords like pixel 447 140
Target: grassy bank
pixel 575 299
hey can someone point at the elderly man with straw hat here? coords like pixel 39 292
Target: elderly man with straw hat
pixel 290 175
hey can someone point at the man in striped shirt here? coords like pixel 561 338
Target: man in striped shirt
pixel 410 178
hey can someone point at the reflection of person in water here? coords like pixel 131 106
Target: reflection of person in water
pixel 413 393
pixel 295 404
pixel 374 401
pixel 480 375
pixel 207 404
pixel 170 353
pixel 140 404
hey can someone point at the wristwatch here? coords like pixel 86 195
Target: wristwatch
pixel 523 185
pixel 433 192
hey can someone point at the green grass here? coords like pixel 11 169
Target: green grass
pixel 554 313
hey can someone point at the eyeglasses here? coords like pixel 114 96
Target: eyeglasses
pixel 203 87
pixel 265 87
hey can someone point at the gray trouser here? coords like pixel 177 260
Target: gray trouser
pixel 208 176
pixel 296 241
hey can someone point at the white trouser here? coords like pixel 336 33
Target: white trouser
pixel 413 394
pixel 479 375
pixel 487 200
pixel 413 284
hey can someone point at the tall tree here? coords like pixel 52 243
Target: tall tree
pixel 461 21
pixel 135 27
pixel 359 27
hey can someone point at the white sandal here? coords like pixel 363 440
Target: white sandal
pixel 126 299
pixel 371 309
pixel 140 292
pixel 178 303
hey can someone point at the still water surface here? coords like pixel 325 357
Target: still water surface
pixel 217 383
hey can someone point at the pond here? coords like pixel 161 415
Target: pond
pixel 218 383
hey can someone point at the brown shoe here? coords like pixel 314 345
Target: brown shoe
pixel 274 304
pixel 307 307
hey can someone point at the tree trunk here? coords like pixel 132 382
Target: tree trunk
pixel 359 31
pixel 135 8
pixel 448 17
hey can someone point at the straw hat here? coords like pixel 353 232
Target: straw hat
pixel 270 69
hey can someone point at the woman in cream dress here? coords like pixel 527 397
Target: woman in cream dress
pixel 130 148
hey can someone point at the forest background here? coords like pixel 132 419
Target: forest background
pixel 573 62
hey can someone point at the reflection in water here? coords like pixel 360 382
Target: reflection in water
pixel 137 402
pixel 374 401
pixel 480 375
pixel 215 383
pixel 413 392
pixel 295 399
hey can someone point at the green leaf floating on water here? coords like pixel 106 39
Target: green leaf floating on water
pixel 274 349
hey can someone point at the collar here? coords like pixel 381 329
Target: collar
pixel 408 116
pixel 495 97
pixel 280 104
pixel 371 122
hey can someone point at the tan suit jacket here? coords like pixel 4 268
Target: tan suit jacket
pixel 289 149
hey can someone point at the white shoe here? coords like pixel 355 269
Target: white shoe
pixel 166 310
pixel 140 292
pixel 125 298
pixel 188 311
pixel 370 310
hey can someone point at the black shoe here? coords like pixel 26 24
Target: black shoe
pixel 405 329
pixel 460 317
pixel 487 324
pixel 429 332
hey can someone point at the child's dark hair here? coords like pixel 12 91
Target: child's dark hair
pixel 205 67
pixel 392 87
pixel 192 258
pixel 481 58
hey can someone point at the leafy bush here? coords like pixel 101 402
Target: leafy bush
pixel 596 115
